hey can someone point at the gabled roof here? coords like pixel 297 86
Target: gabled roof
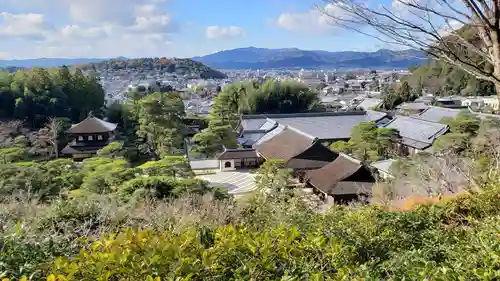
pixel 435 114
pixel 314 157
pixel 344 175
pixel 92 124
pixel 285 145
pixel 238 154
pixel 417 133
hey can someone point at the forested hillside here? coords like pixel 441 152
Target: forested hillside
pixel 445 79
pixel 178 66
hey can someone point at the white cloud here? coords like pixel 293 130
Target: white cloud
pixel 154 24
pixel 30 26
pixel 4 55
pixel 76 32
pixel 224 32
pixel 96 28
pixel 313 21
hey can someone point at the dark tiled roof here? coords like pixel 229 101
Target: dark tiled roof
pixel 314 157
pixel 73 148
pixel 342 176
pixel 92 125
pixel 435 114
pixel 323 125
pixel 285 145
pixel 415 132
pixel 238 154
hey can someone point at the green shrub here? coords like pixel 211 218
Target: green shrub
pixel 112 150
pixel 162 187
pixel 14 154
pixel 105 178
pixel 172 166
pixel 370 243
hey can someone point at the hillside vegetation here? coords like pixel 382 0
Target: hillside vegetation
pixel 445 79
pixel 177 66
pixel 99 238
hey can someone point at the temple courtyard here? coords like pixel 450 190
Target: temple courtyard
pixel 237 182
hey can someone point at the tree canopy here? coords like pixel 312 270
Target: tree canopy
pixel 368 142
pixel 36 94
pixel 160 124
pixel 250 97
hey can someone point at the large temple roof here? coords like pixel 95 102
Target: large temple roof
pixel 91 125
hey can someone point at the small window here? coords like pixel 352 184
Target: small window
pixel 80 138
pixel 227 164
pixel 99 137
pixel 90 138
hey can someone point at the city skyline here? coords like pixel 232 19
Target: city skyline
pixel 173 28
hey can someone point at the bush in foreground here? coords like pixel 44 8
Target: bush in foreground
pixel 452 240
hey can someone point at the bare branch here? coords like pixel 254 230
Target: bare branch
pixel 429 26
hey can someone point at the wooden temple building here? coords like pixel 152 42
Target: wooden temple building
pixel 90 135
pixel 331 175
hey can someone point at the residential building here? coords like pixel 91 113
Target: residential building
pixel 492 102
pixel 473 102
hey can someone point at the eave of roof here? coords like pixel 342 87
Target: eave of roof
pixel 332 175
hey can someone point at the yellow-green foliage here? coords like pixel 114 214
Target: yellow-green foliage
pixel 453 240
pixel 9 155
pixel 111 150
pixel 173 166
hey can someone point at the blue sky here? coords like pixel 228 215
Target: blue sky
pixel 180 28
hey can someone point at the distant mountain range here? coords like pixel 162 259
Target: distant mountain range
pixel 261 58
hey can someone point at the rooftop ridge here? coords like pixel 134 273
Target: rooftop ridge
pixel 303 114
pixel 313 138
pixel 351 158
